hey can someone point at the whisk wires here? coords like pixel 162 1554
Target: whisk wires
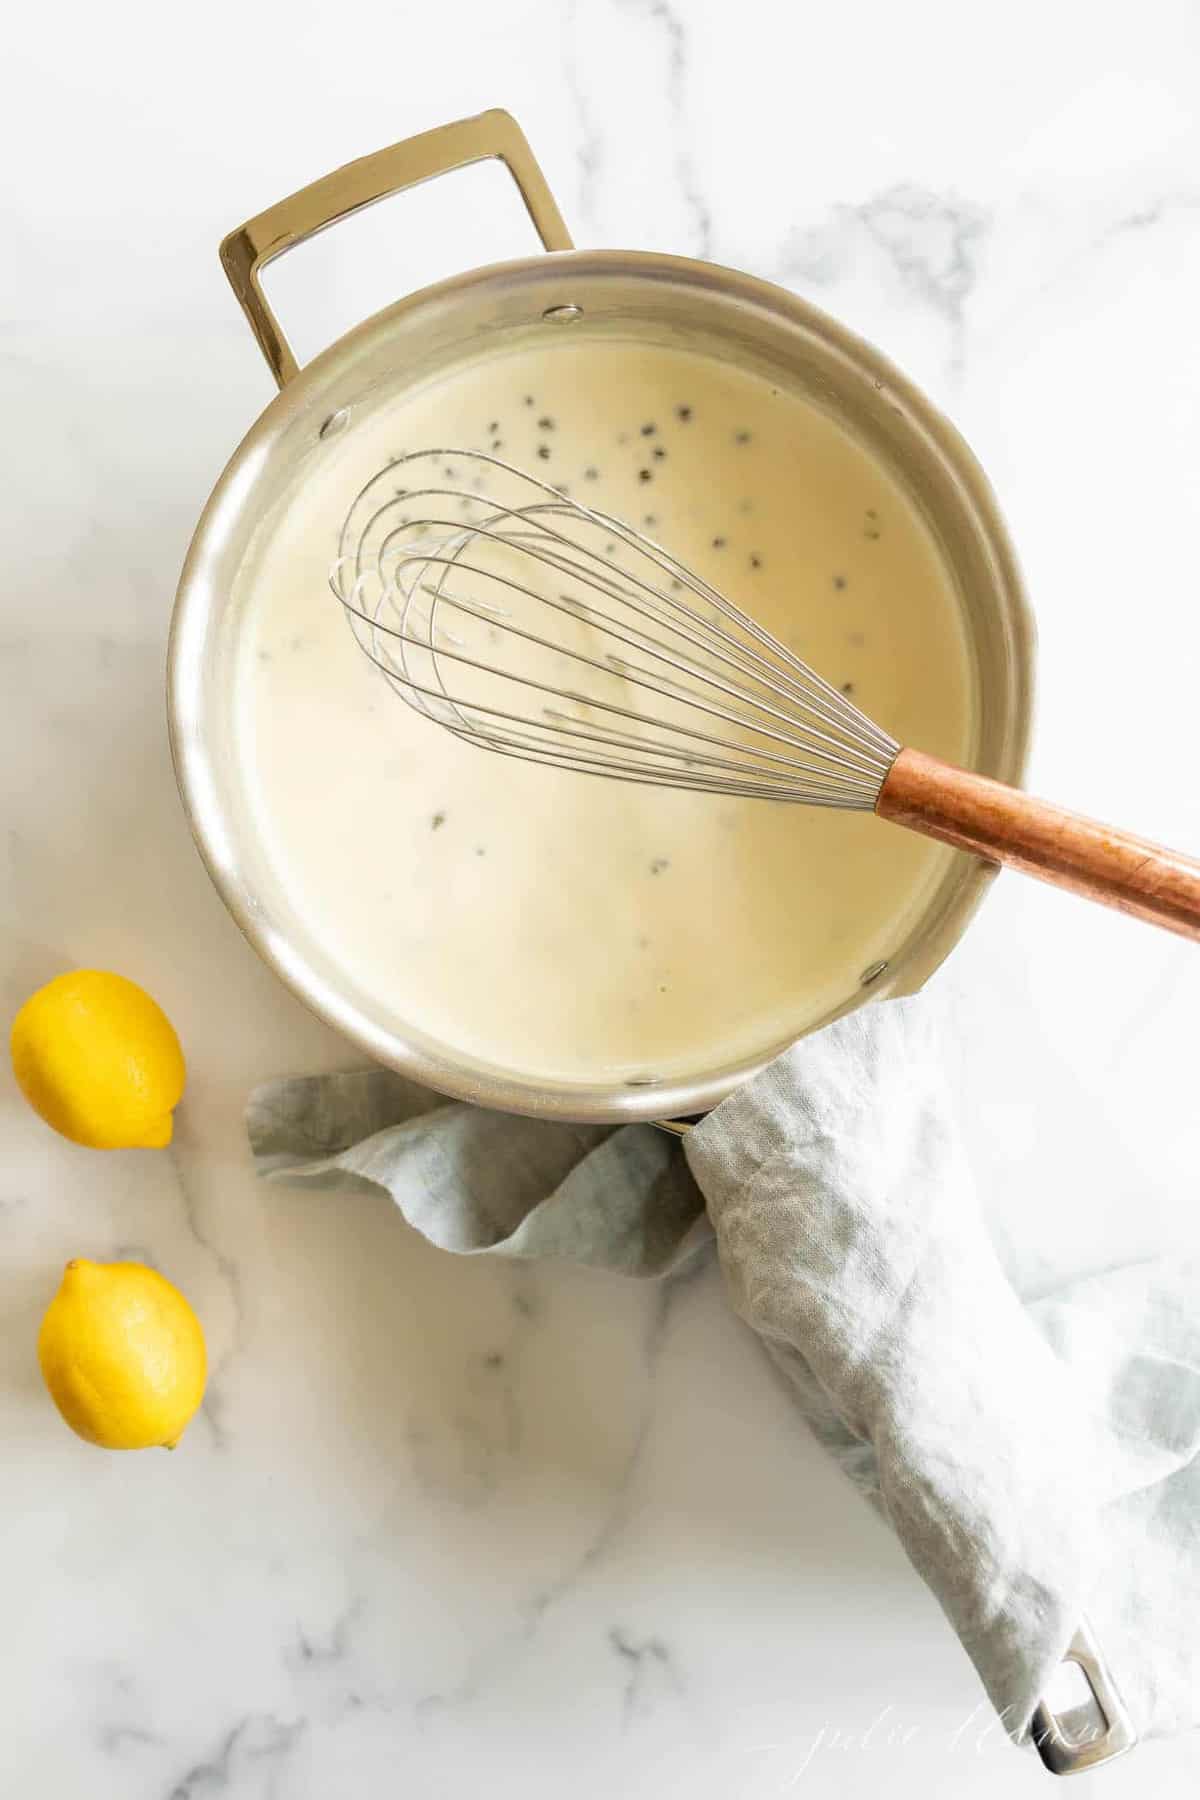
pixel 534 626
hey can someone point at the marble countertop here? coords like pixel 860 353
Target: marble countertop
pixel 446 1527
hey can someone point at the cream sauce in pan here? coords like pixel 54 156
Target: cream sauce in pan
pixel 566 927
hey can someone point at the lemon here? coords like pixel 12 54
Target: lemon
pixel 123 1355
pixel 99 1060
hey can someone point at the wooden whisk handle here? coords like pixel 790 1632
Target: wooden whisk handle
pixel 1008 826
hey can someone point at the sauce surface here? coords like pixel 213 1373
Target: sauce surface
pixel 567 927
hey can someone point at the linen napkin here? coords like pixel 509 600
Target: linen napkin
pixel 1037 1462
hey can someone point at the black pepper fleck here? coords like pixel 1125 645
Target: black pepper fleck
pixel 649 518
pixel 437 821
pixel 497 443
pixel 649 430
pixel 590 474
pixel 645 474
pixel 494 426
pixel 684 413
pixel 529 399
pixel 847 687
pixel 839 582
pixel 659 864
pixel 545 423
pixel 756 561
pixel 718 543
pixel 741 437
pixel 543 451
pixel 658 453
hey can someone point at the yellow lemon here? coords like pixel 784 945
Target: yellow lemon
pixel 123 1355
pixel 99 1060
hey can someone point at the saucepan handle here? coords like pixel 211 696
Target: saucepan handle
pixel 246 252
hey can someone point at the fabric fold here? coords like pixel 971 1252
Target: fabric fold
pixel 1038 1462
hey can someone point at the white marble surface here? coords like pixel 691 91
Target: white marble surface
pixel 444 1527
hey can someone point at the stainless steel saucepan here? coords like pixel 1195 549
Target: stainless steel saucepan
pixel 501 306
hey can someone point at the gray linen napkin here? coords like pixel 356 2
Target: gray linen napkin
pixel 1037 1462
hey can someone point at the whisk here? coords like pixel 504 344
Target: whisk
pixel 534 626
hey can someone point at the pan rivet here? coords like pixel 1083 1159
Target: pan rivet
pixel 336 422
pixel 872 974
pixel 563 315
